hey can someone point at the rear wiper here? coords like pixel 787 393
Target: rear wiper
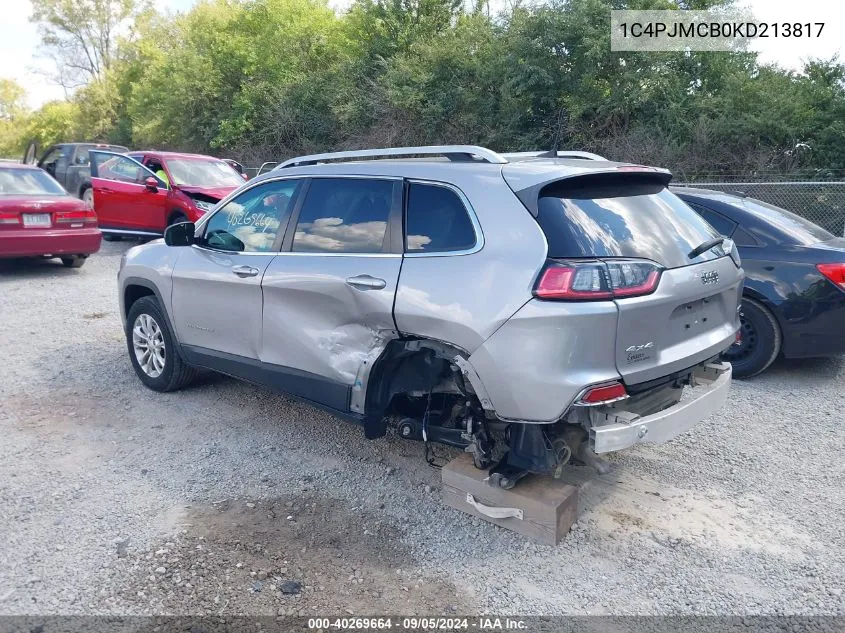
pixel 705 246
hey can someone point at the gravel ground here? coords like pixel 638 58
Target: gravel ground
pixel 227 499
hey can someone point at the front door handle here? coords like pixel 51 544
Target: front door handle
pixel 366 282
pixel 245 271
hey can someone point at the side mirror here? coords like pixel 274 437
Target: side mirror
pixel 151 184
pixel 181 234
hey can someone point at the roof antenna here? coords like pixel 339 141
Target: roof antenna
pixel 553 152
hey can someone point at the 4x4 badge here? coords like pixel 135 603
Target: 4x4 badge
pixel 639 353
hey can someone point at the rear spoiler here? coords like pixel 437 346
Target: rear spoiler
pixel 611 178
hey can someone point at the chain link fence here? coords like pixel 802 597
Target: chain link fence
pixel 821 202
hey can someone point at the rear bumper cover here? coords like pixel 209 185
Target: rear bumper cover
pixel 625 431
pixel 35 242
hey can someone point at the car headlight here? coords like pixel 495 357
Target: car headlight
pixel 203 206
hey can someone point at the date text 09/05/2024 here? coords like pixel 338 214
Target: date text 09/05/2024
pixel 418 624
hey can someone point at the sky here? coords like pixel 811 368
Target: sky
pixel 22 62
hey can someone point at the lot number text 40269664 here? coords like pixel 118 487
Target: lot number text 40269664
pixel 418 624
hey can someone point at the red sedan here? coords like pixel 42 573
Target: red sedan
pixel 39 218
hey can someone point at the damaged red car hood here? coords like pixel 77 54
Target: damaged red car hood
pixel 212 192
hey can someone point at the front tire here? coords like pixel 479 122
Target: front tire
pixel 760 340
pixel 88 197
pixel 152 348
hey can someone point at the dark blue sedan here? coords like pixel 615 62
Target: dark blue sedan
pixel 794 298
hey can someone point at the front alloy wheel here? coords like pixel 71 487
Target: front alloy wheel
pixel 148 344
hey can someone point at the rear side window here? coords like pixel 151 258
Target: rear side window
pixel 637 220
pixel 716 220
pixel 742 238
pixel 436 221
pixel 82 157
pixel 344 215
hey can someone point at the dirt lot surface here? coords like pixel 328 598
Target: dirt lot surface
pixel 228 499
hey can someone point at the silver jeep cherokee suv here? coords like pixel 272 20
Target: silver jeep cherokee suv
pixel 529 309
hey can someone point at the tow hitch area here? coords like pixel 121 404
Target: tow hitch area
pixel 614 428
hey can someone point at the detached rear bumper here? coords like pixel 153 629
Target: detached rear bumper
pixel 623 431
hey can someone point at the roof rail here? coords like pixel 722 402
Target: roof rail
pixel 518 156
pixel 452 152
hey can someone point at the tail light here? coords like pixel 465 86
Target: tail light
pixel 834 272
pixel 603 394
pixel 77 217
pixel 594 280
pixel 10 217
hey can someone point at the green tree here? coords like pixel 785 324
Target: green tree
pixel 12 99
pixel 12 116
pixel 81 36
pixel 237 75
pixel 53 122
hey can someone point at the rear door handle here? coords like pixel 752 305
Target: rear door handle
pixel 366 282
pixel 245 271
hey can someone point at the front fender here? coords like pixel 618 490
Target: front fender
pixel 149 266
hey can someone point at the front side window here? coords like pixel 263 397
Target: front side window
pixel 121 168
pixel 436 221
pixel 251 222
pixel 344 215
pixel 51 156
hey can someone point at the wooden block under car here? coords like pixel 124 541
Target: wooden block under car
pixel 538 507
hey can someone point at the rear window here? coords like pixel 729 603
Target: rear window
pixel 639 220
pixel 25 182
pixel 794 227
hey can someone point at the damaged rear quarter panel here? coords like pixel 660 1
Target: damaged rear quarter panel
pixel 461 299
pixel 535 364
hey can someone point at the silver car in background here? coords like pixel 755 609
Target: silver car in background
pixel 530 308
